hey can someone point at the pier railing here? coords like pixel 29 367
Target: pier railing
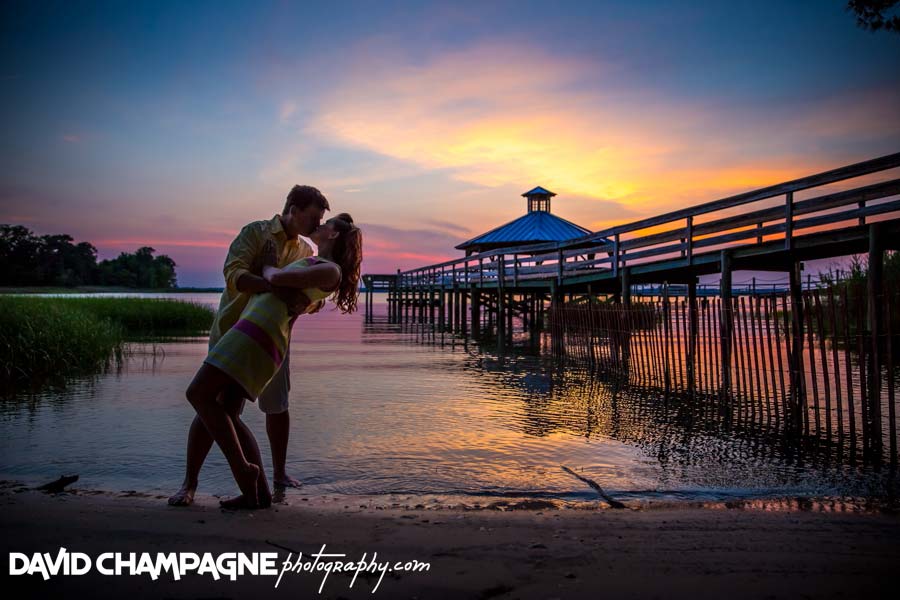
pixel 825 344
pixel 683 238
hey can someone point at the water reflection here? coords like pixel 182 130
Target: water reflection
pixel 381 408
pixel 703 446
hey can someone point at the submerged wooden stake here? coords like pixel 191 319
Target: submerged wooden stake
pixel 612 503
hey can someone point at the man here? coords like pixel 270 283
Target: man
pixel 303 211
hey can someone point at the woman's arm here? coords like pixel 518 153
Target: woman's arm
pixel 323 276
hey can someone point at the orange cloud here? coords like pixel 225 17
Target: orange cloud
pixel 504 114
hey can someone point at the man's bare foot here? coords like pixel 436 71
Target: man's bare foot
pixel 183 497
pixel 287 481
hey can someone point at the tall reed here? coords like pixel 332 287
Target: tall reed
pixel 48 339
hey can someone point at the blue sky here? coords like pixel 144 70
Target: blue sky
pixel 173 124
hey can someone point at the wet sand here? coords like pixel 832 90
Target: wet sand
pixel 666 552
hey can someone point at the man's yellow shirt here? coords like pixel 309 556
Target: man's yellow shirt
pixel 247 247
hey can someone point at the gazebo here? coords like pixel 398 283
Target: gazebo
pixel 537 225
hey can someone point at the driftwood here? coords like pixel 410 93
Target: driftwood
pixel 54 487
pixel 609 500
pixel 283 547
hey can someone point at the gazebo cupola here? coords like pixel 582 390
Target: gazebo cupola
pixel 535 226
pixel 539 199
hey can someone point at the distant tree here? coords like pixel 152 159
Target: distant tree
pixel 67 264
pixel 19 256
pixel 141 270
pixel 876 14
pixel 30 260
pixel 165 271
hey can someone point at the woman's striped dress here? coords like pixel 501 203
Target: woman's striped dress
pixel 253 349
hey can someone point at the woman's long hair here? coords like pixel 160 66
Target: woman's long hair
pixel 348 254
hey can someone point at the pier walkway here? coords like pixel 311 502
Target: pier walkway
pixel 820 360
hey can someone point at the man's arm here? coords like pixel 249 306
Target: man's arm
pixel 240 262
pixel 248 283
pixel 324 276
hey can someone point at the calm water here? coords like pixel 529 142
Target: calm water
pixel 380 409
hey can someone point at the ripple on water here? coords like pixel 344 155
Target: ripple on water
pixel 376 409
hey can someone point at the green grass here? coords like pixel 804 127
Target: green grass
pixel 46 340
pixel 145 317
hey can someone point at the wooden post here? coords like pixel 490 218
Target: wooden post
pixel 798 377
pixel 540 311
pixel 455 308
pixel 501 297
pixel 515 270
pixel 368 285
pixel 690 240
pixel 390 301
pixel 431 300
pixel 476 312
pixel 615 257
pixel 789 221
pixel 414 293
pixel 556 332
pixel 451 305
pixel 876 328
pixel 727 320
pixel 667 337
pixel 625 299
pixel 414 298
pixel 397 297
pixel 559 266
pixel 462 313
pixel 694 326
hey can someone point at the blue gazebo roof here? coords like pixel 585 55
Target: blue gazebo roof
pixel 538 191
pixel 536 226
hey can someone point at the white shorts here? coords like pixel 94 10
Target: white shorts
pixel 274 398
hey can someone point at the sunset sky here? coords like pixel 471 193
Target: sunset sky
pixel 173 124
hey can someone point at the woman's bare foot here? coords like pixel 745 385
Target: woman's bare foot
pixel 238 503
pixel 183 497
pixel 247 482
pixel 241 503
pixel 262 491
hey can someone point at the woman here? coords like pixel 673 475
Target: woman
pixel 248 355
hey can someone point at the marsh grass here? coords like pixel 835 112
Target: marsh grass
pixel 47 340
pixel 143 318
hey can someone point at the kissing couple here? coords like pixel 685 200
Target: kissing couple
pixel 271 278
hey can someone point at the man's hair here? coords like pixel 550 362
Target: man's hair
pixel 302 196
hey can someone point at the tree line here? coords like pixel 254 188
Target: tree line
pixel 27 259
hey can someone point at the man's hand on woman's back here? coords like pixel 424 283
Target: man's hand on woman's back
pixel 296 301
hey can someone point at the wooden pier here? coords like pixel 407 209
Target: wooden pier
pixel 817 363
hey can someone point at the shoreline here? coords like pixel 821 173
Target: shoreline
pixel 501 502
pixel 89 289
pixel 540 553
pixel 61 291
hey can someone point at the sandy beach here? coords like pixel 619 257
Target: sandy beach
pixel 665 552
